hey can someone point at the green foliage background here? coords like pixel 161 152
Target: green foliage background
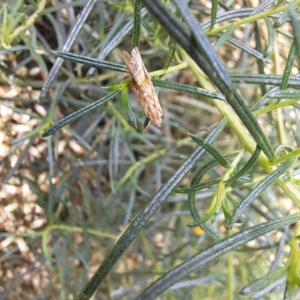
pixel 203 208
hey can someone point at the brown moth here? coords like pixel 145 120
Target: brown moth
pixel 143 86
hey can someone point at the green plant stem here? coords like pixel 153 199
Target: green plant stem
pixel 294 262
pixel 218 201
pixel 275 106
pixel 283 158
pixel 249 19
pixel 169 70
pixel 234 121
pixel 239 129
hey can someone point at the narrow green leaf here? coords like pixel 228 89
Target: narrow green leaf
pixel 15 10
pixel 135 227
pixel 225 6
pixel 136 24
pixel 77 114
pixel 214 11
pixel 186 88
pixel 5 22
pixel 297 106
pixel 263 282
pixel 261 7
pixel 224 37
pixel 79 138
pixel 285 94
pixel 259 47
pixel 247 178
pixel 71 38
pixel 287 293
pixel 207 166
pixel 118 87
pixel 261 187
pixel 250 122
pixel 271 36
pixel 284 16
pixel 226 211
pixel 246 167
pixel 146 123
pixel 263 100
pixel 211 253
pixel 200 221
pixel 35 56
pixel 114 42
pixel 198 186
pixel 249 50
pixel 229 15
pixel 296 31
pixel 171 53
pixel 194 182
pixel 59 7
pixel 13 22
pixel 127 107
pixel 23 112
pixel 18 163
pixel 294 81
pixel 211 150
pixel 95 62
pixel 214 211
pixel 202 43
pixel 265 291
pixel 46 253
pixel 288 67
pixel 57 29
pixel 108 36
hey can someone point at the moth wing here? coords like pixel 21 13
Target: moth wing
pixel 152 108
pixel 157 105
pixel 143 86
pixel 127 59
pixel 137 67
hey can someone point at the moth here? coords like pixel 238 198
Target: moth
pixel 143 86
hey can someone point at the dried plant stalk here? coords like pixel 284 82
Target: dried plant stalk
pixel 143 86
